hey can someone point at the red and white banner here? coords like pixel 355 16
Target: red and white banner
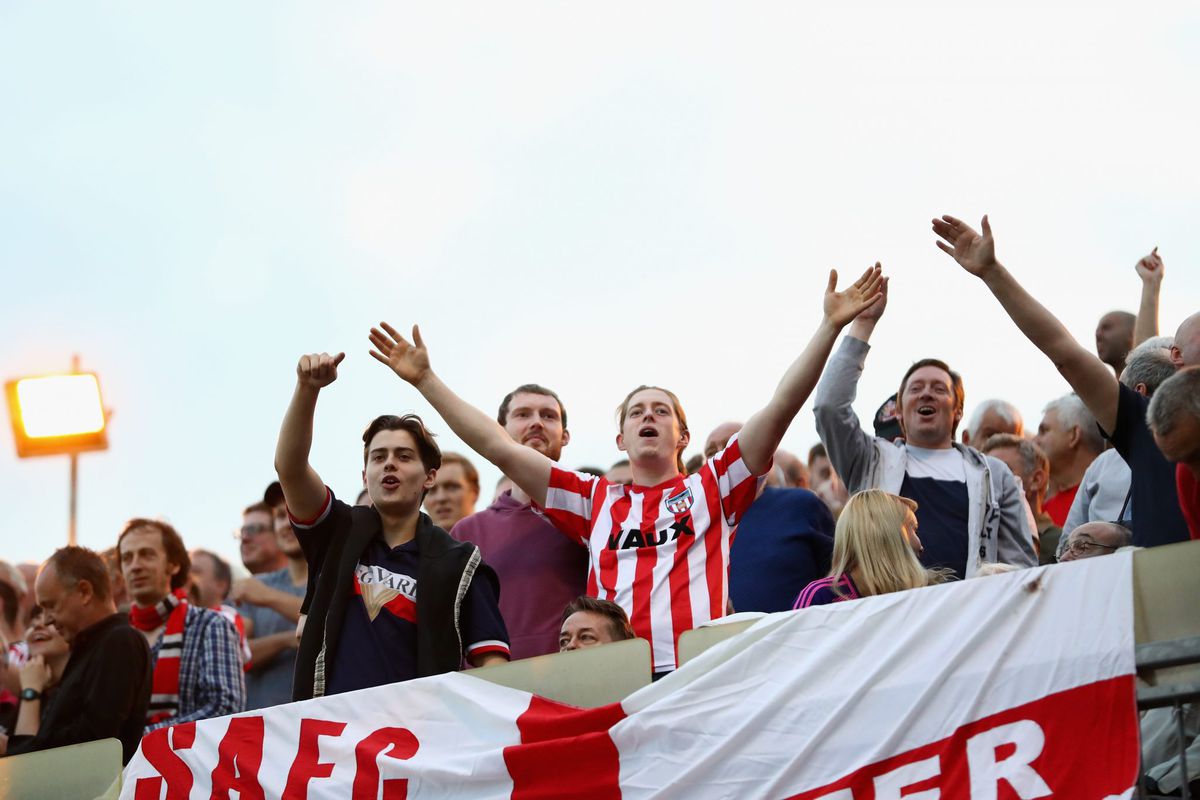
pixel 997 688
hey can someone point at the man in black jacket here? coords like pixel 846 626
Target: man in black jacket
pixel 365 625
pixel 106 685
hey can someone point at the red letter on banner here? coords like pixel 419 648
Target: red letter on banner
pixel 238 758
pixel 171 767
pixel 366 778
pixel 306 765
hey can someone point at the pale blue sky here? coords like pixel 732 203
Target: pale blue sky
pixel 586 197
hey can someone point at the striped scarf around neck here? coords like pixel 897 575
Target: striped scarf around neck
pixel 170 612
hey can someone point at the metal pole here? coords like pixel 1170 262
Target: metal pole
pixel 74 492
pixel 71 540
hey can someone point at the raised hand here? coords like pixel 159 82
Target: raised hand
pixel 841 307
pixel 409 361
pixel 974 252
pixel 1150 268
pixel 318 370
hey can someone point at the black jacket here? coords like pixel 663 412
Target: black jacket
pixel 104 691
pixel 333 549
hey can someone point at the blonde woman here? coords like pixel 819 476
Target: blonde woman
pixel 875 549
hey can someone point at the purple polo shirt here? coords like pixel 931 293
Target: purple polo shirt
pixel 540 571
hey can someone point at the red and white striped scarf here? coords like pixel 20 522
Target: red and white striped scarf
pixel 171 611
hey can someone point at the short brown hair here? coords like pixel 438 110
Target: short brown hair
pixel 261 507
pixel 470 474
pixel 623 410
pixel 74 564
pixel 427 449
pixel 618 620
pixel 529 388
pixel 172 545
pixel 956 385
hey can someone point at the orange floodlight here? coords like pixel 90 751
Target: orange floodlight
pixel 57 414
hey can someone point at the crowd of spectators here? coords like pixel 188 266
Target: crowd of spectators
pixel 563 559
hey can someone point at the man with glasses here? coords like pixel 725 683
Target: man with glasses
pixel 271 602
pixel 1093 539
pixel 259 551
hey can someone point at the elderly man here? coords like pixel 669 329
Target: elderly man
pixel 106 685
pixel 990 418
pixel 1093 539
pixel 1069 437
pixel 1030 465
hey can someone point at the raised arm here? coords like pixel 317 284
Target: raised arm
pixel 1091 379
pixel 1150 270
pixel 760 436
pixel 303 488
pixel 525 466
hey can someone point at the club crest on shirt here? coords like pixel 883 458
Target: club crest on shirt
pixel 680 502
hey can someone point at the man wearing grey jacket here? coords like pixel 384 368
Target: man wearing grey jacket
pixel 969 506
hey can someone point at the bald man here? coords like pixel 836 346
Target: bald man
pixel 1093 539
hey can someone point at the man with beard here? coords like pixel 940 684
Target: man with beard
pixel 541 570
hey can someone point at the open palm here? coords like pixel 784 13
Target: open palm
pixel 976 253
pixel 841 307
pixel 408 360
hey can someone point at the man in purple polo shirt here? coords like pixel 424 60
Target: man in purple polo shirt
pixel 540 569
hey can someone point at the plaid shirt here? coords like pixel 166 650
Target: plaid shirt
pixel 211 683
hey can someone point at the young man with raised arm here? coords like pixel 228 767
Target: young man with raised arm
pixel 969 506
pixel 1119 410
pixel 367 624
pixel 659 548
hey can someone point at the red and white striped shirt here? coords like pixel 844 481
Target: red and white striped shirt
pixel 660 552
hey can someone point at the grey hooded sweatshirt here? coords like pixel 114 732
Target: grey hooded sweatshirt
pixel 998 525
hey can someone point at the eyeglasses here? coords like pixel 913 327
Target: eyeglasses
pixel 1084 544
pixel 250 531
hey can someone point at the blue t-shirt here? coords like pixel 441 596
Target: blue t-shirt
pixel 783 543
pixel 270 684
pixel 1155 499
pixel 937 481
pixel 378 642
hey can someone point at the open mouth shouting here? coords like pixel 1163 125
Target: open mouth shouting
pixel 926 411
pixel 390 482
pixel 648 432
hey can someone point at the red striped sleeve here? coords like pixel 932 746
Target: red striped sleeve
pixel 738 487
pixel 569 502
pixel 486 647
pixel 716 567
pixel 321 515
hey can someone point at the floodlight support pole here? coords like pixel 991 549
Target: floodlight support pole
pixel 73 496
pixel 71 537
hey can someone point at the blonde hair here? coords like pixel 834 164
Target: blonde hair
pixel 676 406
pixel 869 539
